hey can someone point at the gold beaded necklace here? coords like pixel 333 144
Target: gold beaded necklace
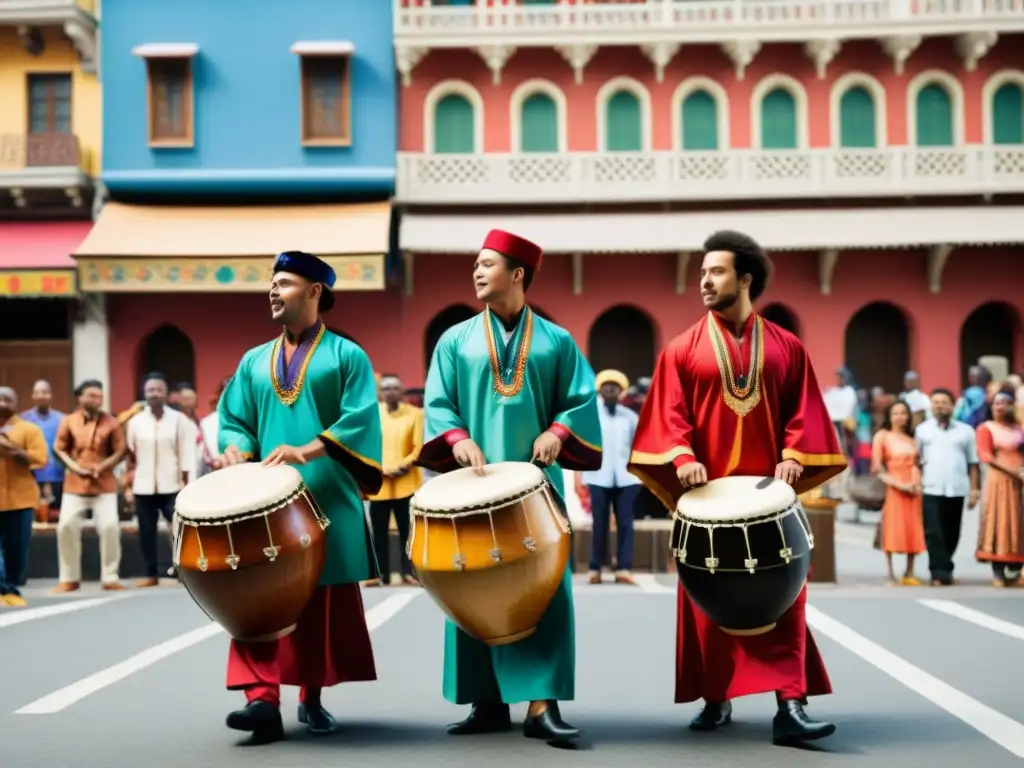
pixel 522 352
pixel 288 395
pixel 741 400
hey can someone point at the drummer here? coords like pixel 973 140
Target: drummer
pixel 333 434
pixel 541 406
pixel 736 394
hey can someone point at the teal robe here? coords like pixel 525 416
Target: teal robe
pixel 337 402
pixel 461 400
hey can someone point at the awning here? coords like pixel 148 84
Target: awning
pixel 139 248
pixel 795 230
pixel 35 257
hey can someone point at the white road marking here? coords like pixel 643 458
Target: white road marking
pixel 1004 731
pixel 21 615
pixel 950 608
pixel 61 699
pixel 649 583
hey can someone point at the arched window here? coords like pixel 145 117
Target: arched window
pixel 623 123
pixel 700 121
pixel 778 120
pixel 857 120
pixel 934 117
pixel 454 125
pixel 1008 114
pixel 538 121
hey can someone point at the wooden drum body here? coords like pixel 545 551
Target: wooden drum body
pixel 742 547
pixel 250 547
pixel 491 551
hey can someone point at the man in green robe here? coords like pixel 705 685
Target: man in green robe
pixel 308 399
pixel 507 385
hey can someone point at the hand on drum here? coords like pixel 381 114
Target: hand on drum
pixel 546 448
pixel 468 454
pixel 231 457
pixel 692 474
pixel 285 454
pixel 788 471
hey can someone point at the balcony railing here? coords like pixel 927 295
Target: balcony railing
pixel 629 177
pixel 31 155
pixel 508 21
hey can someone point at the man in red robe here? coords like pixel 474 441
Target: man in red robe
pixel 736 395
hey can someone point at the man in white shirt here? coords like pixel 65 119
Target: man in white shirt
pixel 949 472
pixel 611 485
pixel 162 459
pixel 918 402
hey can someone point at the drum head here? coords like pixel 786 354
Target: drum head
pixel 465 489
pixel 731 499
pixel 236 490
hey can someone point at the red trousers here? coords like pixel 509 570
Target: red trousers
pixel 330 645
pixel 716 666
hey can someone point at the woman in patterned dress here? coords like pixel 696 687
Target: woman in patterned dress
pixel 1002 515
pixel 894 461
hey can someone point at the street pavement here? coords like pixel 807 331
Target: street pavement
pixel 923 677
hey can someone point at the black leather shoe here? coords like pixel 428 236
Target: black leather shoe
pixel 793 726
pixel 261 719
pixel 483 718
pixel 317 719
pixel 712 716
pixel 549 726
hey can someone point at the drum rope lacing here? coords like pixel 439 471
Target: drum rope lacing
pixel 233 559
pixel 750 563
pixel 496 554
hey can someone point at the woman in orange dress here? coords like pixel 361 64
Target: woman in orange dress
pixel 894 461
pixel 1002 513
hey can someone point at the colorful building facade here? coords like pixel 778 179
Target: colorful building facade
pixel 49 157
pixel 876 148
pixel 232 135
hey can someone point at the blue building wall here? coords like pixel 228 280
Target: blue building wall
pixel 248 97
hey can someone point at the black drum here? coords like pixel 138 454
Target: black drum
pixel 743 551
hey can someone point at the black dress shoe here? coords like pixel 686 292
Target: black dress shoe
pixel 549 726
pixel 793 726
pixel 261 719
pixel 317 719
pixel 712 716
pixel 483 718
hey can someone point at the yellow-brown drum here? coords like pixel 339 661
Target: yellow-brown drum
pixel 490 550
pixel 250 547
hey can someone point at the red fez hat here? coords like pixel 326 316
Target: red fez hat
pixel 514 247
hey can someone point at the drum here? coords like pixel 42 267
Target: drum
pixel 742 547
pixel 250 547
pixel 490 550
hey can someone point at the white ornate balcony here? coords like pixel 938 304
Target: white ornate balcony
pixel 628 177
pixel 693 21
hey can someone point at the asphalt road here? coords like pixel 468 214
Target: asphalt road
pixel 137 680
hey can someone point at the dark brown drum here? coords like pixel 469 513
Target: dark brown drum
pixel 249 548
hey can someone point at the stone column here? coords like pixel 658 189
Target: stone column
pixel 90 338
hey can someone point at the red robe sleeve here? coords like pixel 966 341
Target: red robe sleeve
pixel 810 438
pixel 663 435
pixel 986 447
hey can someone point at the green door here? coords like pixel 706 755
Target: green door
pixel 538 124
pixel 454 125
pixel 700 121
pixel 1008 115
pixel 857 118
pixel 624 127
pixel 934 117
pixel 778 120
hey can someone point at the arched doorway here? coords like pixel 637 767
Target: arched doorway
pixel 443 320
pixel 622 338
pixel 344 335
pixel 878 346
pixel 169 351
pixel 782 316
pixel 990 330
pixel 35 343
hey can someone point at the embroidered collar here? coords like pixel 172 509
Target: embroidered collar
pixel 741 400
pixel 508 359
pixel 288 388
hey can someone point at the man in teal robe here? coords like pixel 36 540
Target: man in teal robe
pixel 309 399
pixel 507 385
